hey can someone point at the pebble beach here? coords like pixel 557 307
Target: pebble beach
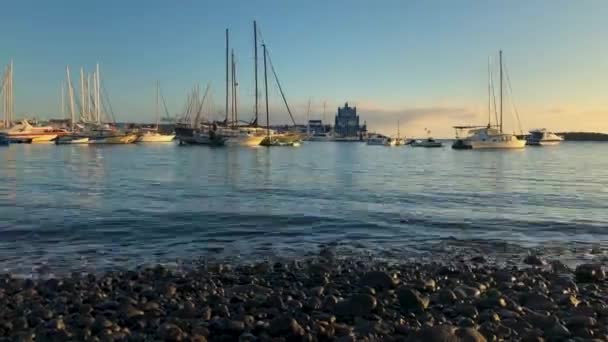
pixel 324 297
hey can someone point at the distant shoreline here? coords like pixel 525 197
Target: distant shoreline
pixel 583 136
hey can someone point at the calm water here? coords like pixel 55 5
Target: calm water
pixel 72 207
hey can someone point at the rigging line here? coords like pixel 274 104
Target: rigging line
pixel 280 88
pixel 513 99
pixel 200 108
pixel 162 98
pixel 107 102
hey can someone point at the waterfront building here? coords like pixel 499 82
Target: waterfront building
pixel 347 122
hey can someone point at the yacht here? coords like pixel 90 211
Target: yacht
pixel 429 142
pixel 542 137
pixel 242 135
pixel 377 139
pixel 494 137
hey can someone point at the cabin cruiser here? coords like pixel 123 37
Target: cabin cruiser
pixel 25 132
pixel 542 137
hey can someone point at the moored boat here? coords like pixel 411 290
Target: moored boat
pixel 72 140
pixel 542 137
pixel 154 135
pixel 429 142
pixel 25 132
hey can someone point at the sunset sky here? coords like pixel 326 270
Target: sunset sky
pixel 423 63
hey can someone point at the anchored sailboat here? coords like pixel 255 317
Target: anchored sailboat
pixel 153 135
pixel 493 137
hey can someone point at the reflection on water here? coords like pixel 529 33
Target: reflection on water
pixel 99 206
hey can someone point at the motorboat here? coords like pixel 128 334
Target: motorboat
pixel 320 136
pixel 429 142
pixel 542 137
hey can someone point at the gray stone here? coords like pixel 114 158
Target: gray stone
pixel 589 273
pixel 357 305
pixel 410 299
pixel 534 260
pixel 378 280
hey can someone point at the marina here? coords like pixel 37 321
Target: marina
pixel 313 172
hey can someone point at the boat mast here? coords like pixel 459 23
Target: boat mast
pixel 82 98
pixel 62 101
pixel 500 57
pixel 156 105
pixel 88 96
pixel 308 118
pixel 266 94
pixel 11 96
pixel 255 58
pixel 489 94
pixel 71 95
pixel 227 92
pixel 98 100
pixel 235 113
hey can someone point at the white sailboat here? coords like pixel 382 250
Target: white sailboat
pixel 153 135
pixel 494 137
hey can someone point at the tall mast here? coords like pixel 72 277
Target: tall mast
pixel 398 133
pixel 98 99
pixel 266 92
pixel 489 93
pixel 11 96
pixel 88 95
pixel 227 91
pixel 500 57
pixel 82 98
pixel 71 95
pixel 235 109
pixel 255 58
pixel 62 101
pixel 156 105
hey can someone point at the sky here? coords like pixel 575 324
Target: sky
pixel 423 64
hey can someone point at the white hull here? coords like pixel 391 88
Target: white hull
pixel 155 138
pixel 488 145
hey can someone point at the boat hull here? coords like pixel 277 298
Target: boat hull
pixel 251 140
pixel 155 138
pixel 498 145
pixel 72 140
pixel 114 140
pixel 543 142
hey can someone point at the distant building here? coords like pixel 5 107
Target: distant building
pixel 347 122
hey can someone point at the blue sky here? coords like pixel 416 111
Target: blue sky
pixel 421 62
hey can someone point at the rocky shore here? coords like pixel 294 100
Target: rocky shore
pixel 321 298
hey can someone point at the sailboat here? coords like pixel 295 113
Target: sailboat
pixel 153 135
pixel 75 137
pixel 494 137
pixel 233 133
pixel 291 137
